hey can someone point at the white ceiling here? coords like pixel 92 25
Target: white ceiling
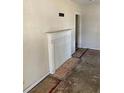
pixel 86 2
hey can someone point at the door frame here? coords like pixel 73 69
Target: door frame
pixel 77 31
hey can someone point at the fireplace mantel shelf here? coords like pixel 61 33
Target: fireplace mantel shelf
pixel 58 31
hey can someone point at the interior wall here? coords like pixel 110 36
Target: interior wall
pixel 90 33
pixel 41 16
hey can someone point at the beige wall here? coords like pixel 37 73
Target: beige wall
pixel 41 16
pixel 90 35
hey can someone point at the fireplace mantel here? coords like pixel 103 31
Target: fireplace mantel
pixel 59 48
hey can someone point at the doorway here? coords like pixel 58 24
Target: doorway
pixel 77 29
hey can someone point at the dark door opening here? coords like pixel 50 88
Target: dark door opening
pixel 77 26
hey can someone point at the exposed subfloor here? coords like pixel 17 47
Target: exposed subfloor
pixel 84 77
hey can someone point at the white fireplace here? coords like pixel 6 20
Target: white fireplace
pixel 59 48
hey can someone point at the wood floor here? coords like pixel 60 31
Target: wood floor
pixel 84 77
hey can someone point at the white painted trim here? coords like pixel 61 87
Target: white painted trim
pixel 91 48
pixel 95 48
pixel 51 54
pixel 33 85
pixel 52 37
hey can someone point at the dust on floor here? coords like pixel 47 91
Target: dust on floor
pixel 84 77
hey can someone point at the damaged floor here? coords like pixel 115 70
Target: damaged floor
pixel 79 74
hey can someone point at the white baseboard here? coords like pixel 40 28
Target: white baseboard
pixel 79 45
pixel 33 85
pixel 91 48
pixel 95 48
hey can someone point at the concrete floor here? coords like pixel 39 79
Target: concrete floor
pixel 84 78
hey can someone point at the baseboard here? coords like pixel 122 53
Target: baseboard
pixel 79 45
pixel 33 85
pixel 91 48
pixel 95 48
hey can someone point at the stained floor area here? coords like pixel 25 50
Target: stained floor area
pixel 83 78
